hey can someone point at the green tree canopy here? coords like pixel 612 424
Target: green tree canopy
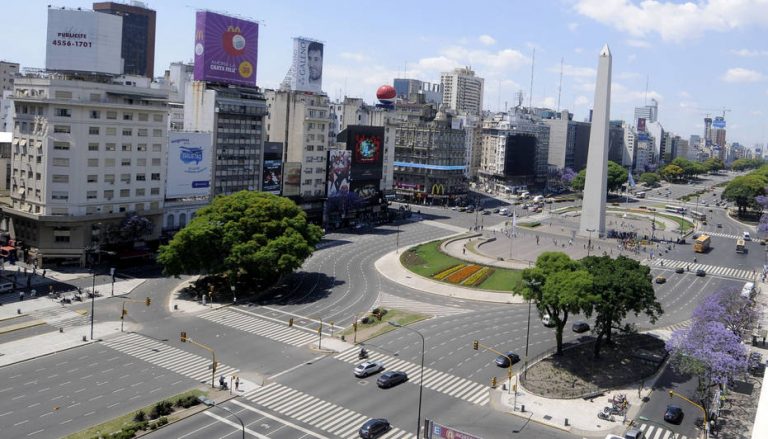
pixel 617 176
pixel 559 286
pixel 622 285
pixel 671 172
pixel 684 164
pixel 650 179
pixel 743 189
pixel 254 236
pixel 713 164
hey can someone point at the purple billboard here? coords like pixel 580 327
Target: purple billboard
pixel 226 49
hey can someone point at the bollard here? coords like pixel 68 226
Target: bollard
pixel 61 330
pixel 85 339
pixel 18 310
pixel 175 306
pixel 566 422
pixel 342 338
pixel 522 408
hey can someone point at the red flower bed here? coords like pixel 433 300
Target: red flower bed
pixel 459 276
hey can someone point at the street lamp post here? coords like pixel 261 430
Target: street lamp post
pixel 93 295
pixel 532 284
pixel 236 417
pixel 589 243
pixel 234 298
pixel 421 373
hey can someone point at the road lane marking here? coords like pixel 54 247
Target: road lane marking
pixel 237 426
pixel 6 413
pixel 43 389
pixel 280 420
pixel 22 422
pixel 35 432
pixel 33 405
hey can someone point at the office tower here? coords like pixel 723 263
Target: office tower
pixel 138 47
pixel 707 131
pixel 648 112
pixel 419 92
pixel 462 91
pixel 596 184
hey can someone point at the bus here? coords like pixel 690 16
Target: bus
pixel 740 246
pixel 701 244
pixel 674 209
pixel 640 195
pixel 698 216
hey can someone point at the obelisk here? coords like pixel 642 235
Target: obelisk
pixel 596 183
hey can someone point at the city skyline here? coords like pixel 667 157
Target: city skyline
pixel 696 59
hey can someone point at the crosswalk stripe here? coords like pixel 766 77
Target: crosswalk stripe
pixel 710 269
pixel 434 379
pixel 657 432
pixel 386 300
pixel 258 326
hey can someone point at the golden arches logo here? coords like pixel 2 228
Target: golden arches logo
pixel 199 34
pixel 437 189
pixel 235 29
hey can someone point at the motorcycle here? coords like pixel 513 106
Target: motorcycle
pixel 363 354
pixel 606 416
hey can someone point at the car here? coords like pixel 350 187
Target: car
pixel 580 327
pixel 495 210
pixel 746 236
pixel 661 279
pixel 368 368
pixel 470 210
pixel 486 212
pixel 391 379
pixel 719 226
pixel 504 360
pixel 547 321
pixel 701 273
pixel 374 428
pixel 679 270
pixel 674 414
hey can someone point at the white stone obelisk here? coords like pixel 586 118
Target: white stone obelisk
pixel 596 183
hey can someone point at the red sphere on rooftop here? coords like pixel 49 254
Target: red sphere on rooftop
pixel 386 92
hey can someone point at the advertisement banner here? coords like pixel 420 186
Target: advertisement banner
pixel 366 191
pixel 367 146
pixel 339 166
pixel 292 179
pixel 718 123
pixel 307 67
pixel 226 49
pixel 272 176
pixel 190 158
pixel 641 124
pixel 84 41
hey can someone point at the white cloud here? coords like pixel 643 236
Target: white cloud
pixel 638 43
pixel 632 58
pixel 547 102
pixel 575 71
pixel 738 74
pixel 573 26
pixel 359 57
pixel 628 75
pixel 502 59
pixel 438 64
pixel 621 94
pixel 749 53
pixel 487 40
pixel 675 21
pixel 581 101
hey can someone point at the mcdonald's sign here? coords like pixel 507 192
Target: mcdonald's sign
pixel 437 189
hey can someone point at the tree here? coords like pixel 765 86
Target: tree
pixel 650 179
pixel 254 236
pixel 621 286
pixel 744 189
pixel 131 229
pixel 671 172
pixel 559 286
pixel 730 308
pixel 684 164
pixel 617 176
pixel 578 181
pixel 713 164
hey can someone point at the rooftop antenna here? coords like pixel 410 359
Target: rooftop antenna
pixel 530 91
pixel 645 98
pixel 498 96
pixel 560 87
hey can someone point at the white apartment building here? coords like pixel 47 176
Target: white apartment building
pixel 630 139
pixel 462 91
pixel 84 154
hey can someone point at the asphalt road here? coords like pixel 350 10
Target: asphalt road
pixel 654 409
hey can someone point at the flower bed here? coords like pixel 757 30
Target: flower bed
pixel 478 277
pixel 445 273
pixel 459 276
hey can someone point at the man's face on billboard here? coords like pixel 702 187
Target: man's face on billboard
pixel 315 61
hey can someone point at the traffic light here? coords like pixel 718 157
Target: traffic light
pixel 671 394
pixel 493 382
pixel 183 336
pixel 125 313
pixel 475 344
pixel 290 322
pixel 214 366
pixel 148 301
pixel 319 329
pixel 354 326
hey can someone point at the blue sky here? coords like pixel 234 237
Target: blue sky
pixel 697 57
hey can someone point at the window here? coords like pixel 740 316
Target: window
pixel 309 159
pixel 127 116
pixel 157 117
pixel 127 131
pixel 109 194
pixel 95 97
pixel 308 181
pixel 66 129
pixel 60 195
pixel 143 117
pixel 63 94
pixel 93 179
pixel 110 146
pixel 111 131
pixel 155 176
pixel 125 178
pixel 124 193
pixel 141 162
pixel 141 147
pixel 109 163
pixel 93 147
pixel 112 115
pixel 125 162
pixel 156 162
pixel 62 112
pixel 141 177
pixel 154 191
pixel 61 239
pixel 90 195
pixel 95 114
pixel 60 178
pixel 310 148
pixel 61 162
pixel 93 163
pixel 61 146
pixel 93 131
pixel 127 147
pixel 142 132
pixel 157 132
pixel 109 178
pixel 156 147
pixel 141 192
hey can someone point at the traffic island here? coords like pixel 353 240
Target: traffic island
pixel 376 323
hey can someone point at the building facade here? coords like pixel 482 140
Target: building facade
pixel 462 91
pixel 648 112
pixel 85 154
pixel 138 47
pixel 415 91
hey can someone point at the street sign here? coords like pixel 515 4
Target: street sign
pixel 441 431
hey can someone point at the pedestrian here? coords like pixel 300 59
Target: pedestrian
pixel 44 273
pixel 21 296
pixel 464 251
pixel 237 383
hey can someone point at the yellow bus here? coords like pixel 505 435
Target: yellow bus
pixel 740 248
pixel 701 244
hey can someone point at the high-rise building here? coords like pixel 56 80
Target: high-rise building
pixel 648 112
pixel 85 153
pixel 694 141
pixel 568 142
pixel 413 90
pixel 718 131
pixel 707 131
pixel 8 71
pixel 462 91
pixel 138 47
pixel 629 154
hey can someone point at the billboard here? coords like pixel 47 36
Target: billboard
pixel 339 167
pixel 272 176
pixel 718 123
pixel 84 41
pixel 226 49
pixel 190 158
pixel 367 146
pixel 307 67
pixel 641 124
pixel 292 179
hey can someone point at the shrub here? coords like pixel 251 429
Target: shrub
pixel 162 408
pixel 187 401
pixel 162 421
pixel 445 273
pixel 139 416
pixel 365 320
pixel 459 276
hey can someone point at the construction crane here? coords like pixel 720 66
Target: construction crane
pixel 712 110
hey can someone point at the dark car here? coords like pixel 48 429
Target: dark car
pixel 579 327
pixel 391 379
pixel 503 360
pixel 674 414
pixel 701 273
pixel 374 428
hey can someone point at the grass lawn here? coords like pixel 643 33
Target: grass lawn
pixel 502 280
pixel 375 327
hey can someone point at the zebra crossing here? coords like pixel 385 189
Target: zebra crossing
pixel 259 326
pixel 710 269
pixel 60 317
pixel 391 301
pixel 337 420
pixel 166 356
pixel 658 432
pixel 723 235
pixel 451 385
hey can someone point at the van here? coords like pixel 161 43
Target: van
pixel 748 290
pixel 5 287
pixel 633 433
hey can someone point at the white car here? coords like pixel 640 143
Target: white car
pixel 747 237
pixel 368 368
